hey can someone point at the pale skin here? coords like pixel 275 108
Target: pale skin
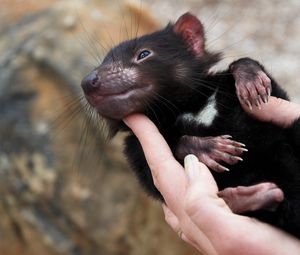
pixel 194 210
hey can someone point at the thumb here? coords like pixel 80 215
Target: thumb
pixel 199 176
pixel 278 111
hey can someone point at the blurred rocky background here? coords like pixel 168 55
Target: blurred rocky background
pixel 63 188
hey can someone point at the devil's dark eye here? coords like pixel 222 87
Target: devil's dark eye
pixel 143 54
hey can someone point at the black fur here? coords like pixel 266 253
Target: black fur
pixel 273 151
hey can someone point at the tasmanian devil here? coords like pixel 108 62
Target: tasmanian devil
pixel 166 76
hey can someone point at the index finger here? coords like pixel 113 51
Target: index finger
pixel 154 145
pixel 168 174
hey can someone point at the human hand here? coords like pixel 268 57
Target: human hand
pixel 194 209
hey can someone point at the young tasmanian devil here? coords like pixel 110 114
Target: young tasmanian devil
pixel 165 75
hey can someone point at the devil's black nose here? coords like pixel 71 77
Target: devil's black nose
pixel 90 82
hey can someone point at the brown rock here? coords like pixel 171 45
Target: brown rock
pixel 63 188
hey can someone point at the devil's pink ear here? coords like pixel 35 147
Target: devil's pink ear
pixel 191 30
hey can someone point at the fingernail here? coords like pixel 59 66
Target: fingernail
pixel 191 165
pixel 124 120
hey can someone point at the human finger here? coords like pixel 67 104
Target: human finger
pixel 202 201
pixel 171 218
pixel 167 173
pixel 201 243
pixel 199 174
pixel 174 223
pixel 278 111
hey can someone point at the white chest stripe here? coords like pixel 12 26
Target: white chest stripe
pixel 207 114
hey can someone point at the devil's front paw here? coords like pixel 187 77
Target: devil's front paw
pixel 253 86
pixel 211 150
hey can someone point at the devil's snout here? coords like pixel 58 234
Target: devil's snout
pixel 90 82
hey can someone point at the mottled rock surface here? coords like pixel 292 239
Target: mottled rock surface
pixel 63 188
